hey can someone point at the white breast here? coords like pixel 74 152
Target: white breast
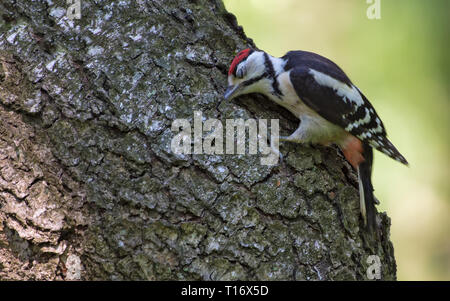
pixel 317 129
pixel 290 99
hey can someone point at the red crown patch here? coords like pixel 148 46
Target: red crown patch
pixel 239 58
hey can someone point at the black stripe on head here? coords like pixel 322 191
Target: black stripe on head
pixel 271 75
pixel 254 80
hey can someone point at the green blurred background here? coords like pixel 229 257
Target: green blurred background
pixel 401 63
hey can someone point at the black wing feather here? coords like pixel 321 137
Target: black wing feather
pixel 317 62
pixel 328 104
pixel 321 99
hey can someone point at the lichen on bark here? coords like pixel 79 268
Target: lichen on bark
pixel 89 188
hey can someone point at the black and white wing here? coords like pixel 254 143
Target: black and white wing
pixel 326 89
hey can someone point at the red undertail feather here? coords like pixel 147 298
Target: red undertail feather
pixel 353 151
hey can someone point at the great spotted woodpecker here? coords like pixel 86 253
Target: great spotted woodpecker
pixel 330 108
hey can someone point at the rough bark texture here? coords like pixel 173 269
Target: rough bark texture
pixel 89 188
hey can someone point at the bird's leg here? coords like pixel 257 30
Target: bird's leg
pixel 298 136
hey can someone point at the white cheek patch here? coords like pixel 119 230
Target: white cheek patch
pixel 255 61
pixel 254 64
pixel 343 90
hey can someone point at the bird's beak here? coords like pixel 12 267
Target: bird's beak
pixel 232 91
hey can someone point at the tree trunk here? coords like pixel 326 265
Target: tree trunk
pixel 90 189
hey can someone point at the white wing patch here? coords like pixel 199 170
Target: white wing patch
pixel 342 89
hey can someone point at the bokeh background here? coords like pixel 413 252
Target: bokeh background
pixel 401 63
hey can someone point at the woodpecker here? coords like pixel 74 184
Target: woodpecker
pixel 330 107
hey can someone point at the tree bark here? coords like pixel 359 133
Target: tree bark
pixel 89 188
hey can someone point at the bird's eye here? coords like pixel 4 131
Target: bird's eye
pixel 240 72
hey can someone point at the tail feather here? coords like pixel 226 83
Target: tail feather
pixel 366 197
pixel 385 146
